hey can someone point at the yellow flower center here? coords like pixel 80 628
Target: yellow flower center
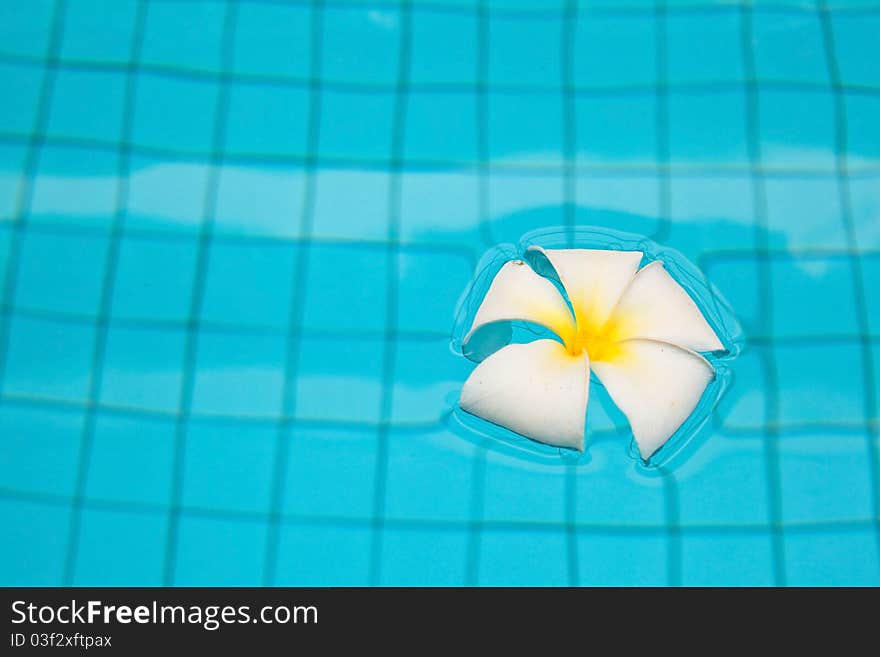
pixel 601 344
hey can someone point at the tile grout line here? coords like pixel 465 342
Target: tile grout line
pixel 661 126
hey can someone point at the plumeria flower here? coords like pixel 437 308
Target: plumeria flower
pixel 637 329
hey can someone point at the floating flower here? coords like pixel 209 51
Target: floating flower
pixel 636 328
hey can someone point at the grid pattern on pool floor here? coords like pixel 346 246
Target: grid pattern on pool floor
pixel 111 458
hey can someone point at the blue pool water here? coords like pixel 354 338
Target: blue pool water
pixel 233 236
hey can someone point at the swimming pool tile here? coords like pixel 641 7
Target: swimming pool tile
pixel 5 246
pixel 267 120
pixel 240 454
pixel 862 133
pixel 239 374
pixel 167 195
pixel 427 380
pixel 41 449
pixel 789 47
pixel 33 553
pixel 330 472
pixel 360 196
pixel 708 128
pixel 345 288
pixel 98 32
pixel 614 51
pixel 18 111
pixel 184 35
pixel 813 296
pixel 143 368
pixel 626 203
pixel 523 492
pixel 739 280
pixel 525 129
pixel 361 125
pixel 832 557
pixel 622 560
pixel 797 129
pixel 523 558
pixel 871 272
pixel 349 33
pixel 744 406
pixel 444 47
pixel 174 114
pixel 840 462
pixel 132 459
pixel 428 288
pixel 820 382
pixel 236 557
pixel 522 203
pixel 26 32
pixel 154 278
pixel 865 193
pixel 339 379
pixel 109 538
pixel 54 275
pixel 323 555
pixel 441 127
pixel 273 39
pixel 429 476
pixel 413 557
pixel 806 212
pixel 11 176
pixel 249 284
pixel 735 559
pixel 87 105
pixel 615 131
pixel 854 35
pixel 451 217
pixel 49 359
pixel 704 47
pixel 524 52
pixel 260 201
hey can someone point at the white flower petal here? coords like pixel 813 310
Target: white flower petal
pixel 517 293
pixel 537 389
pixel 657 386
pixel 655 306
pixel 594 279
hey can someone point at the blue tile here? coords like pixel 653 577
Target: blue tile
pixel 833 557
pixel 428 289
pixel 96 31
pixel 818 382
pixel 41 449
pixel 75 186
pixel 273 40
pixel 744 405
pixel 323 555
pixel 616 130
pixel 871 272
pixel 351 32
pixel 708 127
pixel 54 275
pixel 49 359
pixel 108 542
pixel 797 129
pixel 825 478
pixel 239 374
pixel 26 32
pixel 339 379
pixel 519 203
pixel 174 114
pixel 706 211
pixel 217 552
pixel 855 36
pixel 361 125
pixel 523 492
pixel 166 195
pixel 806 212
pixel 132 459
pixel 265 201
pixel 441 127
pixel 249 284
pixel 87 105
pixel 351 204
pixel 35 544
pixel 330 472
pixel 427 379
pixel 862 130
pixel 789 46
pixel 724 484
pixel 17 111
pixel 621 560
pixel 704 47
pixel 5 246
pixel 614 51
pixel 865 193
pixel 430 217
pixel 228 466
pixel 143 368
pixel 154 278
pixel 525 128
pixel 184 35
pixel 444 47
pixel 415 557
pixel 267 120
pixel 346 288
pixel 422 463
pixel 738 280
pixel 523 558
pixel 727 560
pixel 813 296
pixel 11 176
pixel 524 52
